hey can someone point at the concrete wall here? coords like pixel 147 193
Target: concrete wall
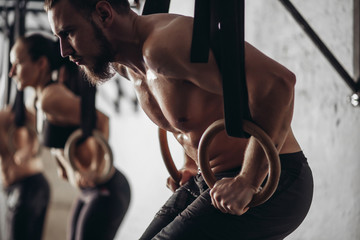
pixel 325 123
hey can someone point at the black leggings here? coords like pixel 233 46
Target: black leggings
pixel 189 214
pixel 27 202
pixel 98 212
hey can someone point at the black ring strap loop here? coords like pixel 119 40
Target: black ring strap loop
pixel 88 129
pixel 156 6
pixel 19 111
pixel 220 25
pixel 71 144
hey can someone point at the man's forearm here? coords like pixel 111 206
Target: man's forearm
pixel 255 165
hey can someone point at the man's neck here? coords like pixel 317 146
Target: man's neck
pixel 129 42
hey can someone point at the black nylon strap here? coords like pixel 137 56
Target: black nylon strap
pixel 220 25
pixel 156 6
pixel 233 67
pixel 18 109
pixel 228 44
pixel 88 111
pixel 200 44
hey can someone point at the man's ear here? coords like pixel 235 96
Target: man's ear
pixel 104 13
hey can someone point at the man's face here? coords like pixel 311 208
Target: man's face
pixel 83 41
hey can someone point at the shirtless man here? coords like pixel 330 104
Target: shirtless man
pixel 185 98
pixel 25 186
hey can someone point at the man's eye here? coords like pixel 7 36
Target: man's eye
pixel 65 34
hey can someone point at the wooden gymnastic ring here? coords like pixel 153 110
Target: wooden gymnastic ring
pixel 266 143
pixel 166 155
pixel 33 134
pixel 69 152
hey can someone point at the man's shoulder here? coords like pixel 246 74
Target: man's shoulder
pixel 169 41
pixel 168 27
pixel 164 20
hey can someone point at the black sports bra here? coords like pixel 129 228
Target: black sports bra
pixel 55 136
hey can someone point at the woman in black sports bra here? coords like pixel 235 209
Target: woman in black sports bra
pixel 102 204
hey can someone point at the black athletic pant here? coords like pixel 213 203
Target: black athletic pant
pixel 189 214
pixel 98 212
pixel 27 202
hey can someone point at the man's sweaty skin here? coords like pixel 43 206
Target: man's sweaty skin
pixel 183 97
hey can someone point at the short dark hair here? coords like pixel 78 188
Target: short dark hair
pixel 88 6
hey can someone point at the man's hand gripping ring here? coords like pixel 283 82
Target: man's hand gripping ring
pixel 263 139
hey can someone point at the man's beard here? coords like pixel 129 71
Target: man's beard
pixel 101 69
pixel 101 72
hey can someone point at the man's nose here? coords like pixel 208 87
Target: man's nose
pixel 65 48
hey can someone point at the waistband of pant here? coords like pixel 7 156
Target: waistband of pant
pixel 287 161
pixel 32 177
pixel 292 160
